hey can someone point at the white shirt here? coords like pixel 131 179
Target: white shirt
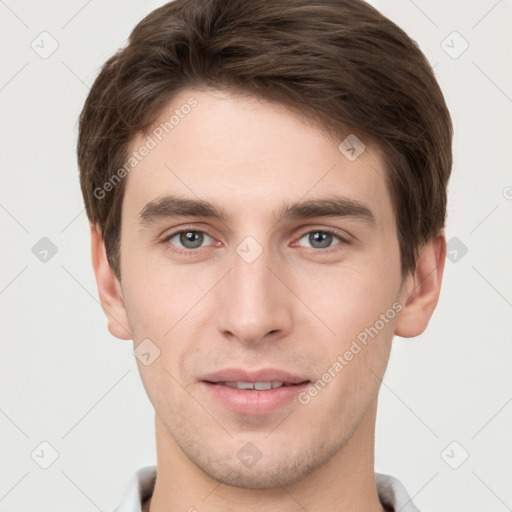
pixel 392 493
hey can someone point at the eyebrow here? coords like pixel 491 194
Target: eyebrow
pixel 172 206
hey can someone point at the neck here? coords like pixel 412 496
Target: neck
pixel 346 482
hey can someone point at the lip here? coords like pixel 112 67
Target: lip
pixel 261 375
pixel 253 402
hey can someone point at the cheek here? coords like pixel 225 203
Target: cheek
pixel 357 307
pixel 354 370
pixel 348 299
pixel 157 294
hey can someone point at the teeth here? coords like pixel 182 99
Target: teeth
pixel 262 385
pixel 258 386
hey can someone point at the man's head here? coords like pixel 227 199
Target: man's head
pixel 339 63
pixel 265 124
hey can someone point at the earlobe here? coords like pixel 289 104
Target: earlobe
pixel 421 291
pixel 109 288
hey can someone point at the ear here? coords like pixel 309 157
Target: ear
pixel 109 288
pixel 421 290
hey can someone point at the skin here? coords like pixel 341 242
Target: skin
pixel 295 307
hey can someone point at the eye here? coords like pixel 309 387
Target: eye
pixel 188 238
pixel 321 238
pixel 187 241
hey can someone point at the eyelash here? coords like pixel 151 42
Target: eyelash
pixel 192 252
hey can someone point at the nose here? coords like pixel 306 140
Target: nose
pixel 253 303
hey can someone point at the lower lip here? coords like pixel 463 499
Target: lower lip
pixel 254 402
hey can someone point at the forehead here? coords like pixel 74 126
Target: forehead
pixel 245 155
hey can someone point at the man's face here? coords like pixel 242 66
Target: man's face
pixel 253 292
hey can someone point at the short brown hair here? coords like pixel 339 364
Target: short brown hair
pixel 340 62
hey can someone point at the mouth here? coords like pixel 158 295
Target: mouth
pixel 264 378
pixel 253 393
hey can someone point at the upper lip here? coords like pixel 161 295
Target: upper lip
pixel 261 375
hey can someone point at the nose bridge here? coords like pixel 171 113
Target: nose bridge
pixel 252 301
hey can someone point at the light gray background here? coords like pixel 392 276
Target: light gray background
pixel 66 381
